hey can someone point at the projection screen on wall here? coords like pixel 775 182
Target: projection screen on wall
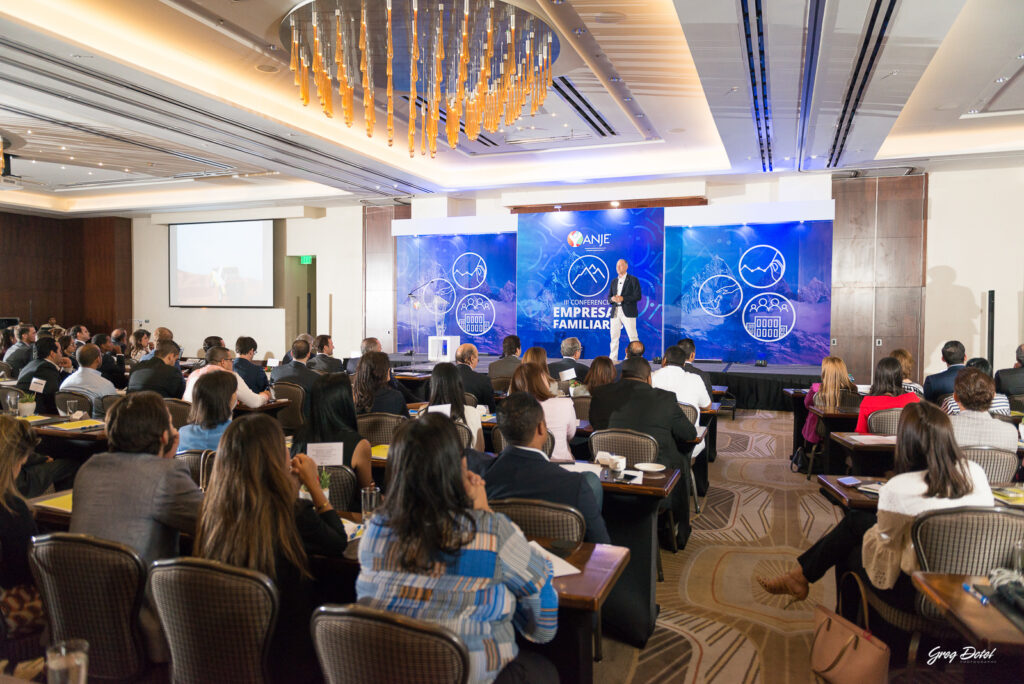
pixel 227 264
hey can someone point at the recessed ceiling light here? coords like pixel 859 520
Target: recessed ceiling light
pixel 565 125
pixel 814 156
pixel 972 111
pixel 627 99
pixel 1001 79
pixel 267 68
pixel 62 168
pixel 1020 56
pixel 554 113
pixel 90 173
pixel 785 158
pixel 29 131
pixel 615 79
pixel 101 163
pixel 33 161
pixel 71 158
pixel 126 170
pixel 615 203
pixel 640 115
pixel 579 31
pixel 63 148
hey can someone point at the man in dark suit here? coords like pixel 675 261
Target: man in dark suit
pixel 20 353
pixel 253 375
pixel 1010 381
pixel 522 470
pixel 324 360
pixel 369 344
pixel 112 362
pixel 634 350
pixel 504 367
pixel 690 349
pixel 571 351
pixel 634 404
pixel 477 384
pixel 296 372
pixel 624 294
pixel 51 367
pixel 159 374
pixel 306 337
pixel 938 384
pixel 79 335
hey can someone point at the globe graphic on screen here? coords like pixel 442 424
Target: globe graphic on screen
pixel 475 314
pixel 438 296
pixel 720 296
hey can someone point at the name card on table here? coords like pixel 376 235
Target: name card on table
pixel 37 385
pixel 446 409
pixel 273 363
pixel 568 374
pixel 327 453
pixel 560 567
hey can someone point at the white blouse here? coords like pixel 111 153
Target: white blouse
pixel 560 415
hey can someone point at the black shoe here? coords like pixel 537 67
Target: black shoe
pixel 683 536
pixel 665 539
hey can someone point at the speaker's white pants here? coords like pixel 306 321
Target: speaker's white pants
pixel 617 323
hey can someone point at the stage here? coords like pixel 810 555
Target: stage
pixel 753 387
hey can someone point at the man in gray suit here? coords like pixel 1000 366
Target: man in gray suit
pixel 137 494
pixel 324 359
pixel 20 353
pixel 296 372
pixel 511 348
pixel 974 425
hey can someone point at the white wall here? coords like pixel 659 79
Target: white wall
pixel 975 244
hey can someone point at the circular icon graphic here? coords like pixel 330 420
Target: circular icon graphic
pixel 769 317
pixel 720 296
pixel 762 266
pixel 575 238
pixel 438 296
pixel 588 276
pixel 475 314
pixel 469 270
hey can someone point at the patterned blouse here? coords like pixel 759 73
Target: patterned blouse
pixel 493 583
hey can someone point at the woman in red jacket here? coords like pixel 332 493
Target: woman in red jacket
pixel 886 392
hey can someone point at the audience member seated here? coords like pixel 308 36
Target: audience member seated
pixel 369 344
pixel 906 360
pixel 138 494
pixel 50 324
pixel 119 336
pixel 1010 381
pixel 332 418
pixel 373 392
pixel 477 384
pixel 324 360
pixel 218 359
pixel 507 363
pixel 886 392
pixel 973 424
pixel 559 412
pixel 140 345
pixel 209 342
pixel 938 384
pixel 434 551
pixel 688 387
pixel 254 376
pixel 19 354
pixel 50 366
pixel 523 470
pixel 305 337
pixel 111 362
pixel 930 475
pixel 67 346
pixel 571 351
pixel 252 518
pixel 446 389
pixel 538 356
pixel 601 372
pixel 162 335
pixel 7 340
pixel 214 397
pixel 834 379
pixel 999 404
pixel 632 403
pixel 296 372
pixel 87 380
pixel 159 373
pixel 19 598
pixel 80 335
pixel 634 350
pixel 689 348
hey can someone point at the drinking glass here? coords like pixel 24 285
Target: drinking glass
pixel 67 662
pixel 12 403
pixel 371 500
pixel 1018 555
pixel 72 406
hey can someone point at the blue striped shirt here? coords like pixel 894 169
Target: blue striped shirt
pixel 493 583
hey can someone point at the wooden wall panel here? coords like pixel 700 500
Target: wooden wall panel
pixel 107 273
pixel 379 272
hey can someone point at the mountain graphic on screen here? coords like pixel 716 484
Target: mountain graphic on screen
pixel 476 272
pixel 774 267
pixel 595 273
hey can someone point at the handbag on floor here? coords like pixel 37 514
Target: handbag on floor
pixel 842 652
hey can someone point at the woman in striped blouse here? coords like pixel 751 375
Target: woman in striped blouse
pixel 435 551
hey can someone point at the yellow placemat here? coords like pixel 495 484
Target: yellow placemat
pixel 60 503
pixel 35 418
pixel 79 424
pixel 379 451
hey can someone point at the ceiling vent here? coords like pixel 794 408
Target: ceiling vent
pixel 582 106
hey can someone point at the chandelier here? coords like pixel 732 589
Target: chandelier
pixel 472 64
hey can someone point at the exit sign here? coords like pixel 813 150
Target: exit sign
pixel 305 260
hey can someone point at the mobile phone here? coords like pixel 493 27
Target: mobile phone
pixel 848 481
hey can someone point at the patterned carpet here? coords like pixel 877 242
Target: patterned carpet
pixel 716 623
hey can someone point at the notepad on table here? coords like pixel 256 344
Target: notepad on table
pixel 1009 495
pixel 379 451
pixel 874 439
pixel 353 530
pixel 870 487
pixel 59 503
pixel 560 566
pixel 583 467
pixel 87 424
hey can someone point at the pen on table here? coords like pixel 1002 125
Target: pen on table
pixel 982 599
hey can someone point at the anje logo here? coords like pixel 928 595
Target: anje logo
pixel 577 239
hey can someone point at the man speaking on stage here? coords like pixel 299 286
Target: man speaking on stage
pixel 623 296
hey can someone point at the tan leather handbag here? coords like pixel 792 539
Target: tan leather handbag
pixel 842 652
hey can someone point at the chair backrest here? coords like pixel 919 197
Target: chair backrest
pixel 637 447
pixel 884 422
pixel 849 399
pixel 537 518
pixel 200 602
pixel 1016 402
pixel 291 416
pixel 501 384
pixel 582 406
pixel 379 428
pixel 6 369
pixel 178 409
pixel 691 412
pixel 549 444
pixel 357 644
pixel 193 458
pixel 4 391
pixel 343 487
pixel 64 396
pixel 206 469
pixel 92 589
pixel 499 442
pixel 109 401
pixel 470 399
pixel 466 435
pixel 999 465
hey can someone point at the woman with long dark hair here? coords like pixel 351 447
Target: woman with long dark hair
pixel 931 474
pixel 332 418
pixel 251 517
pixel 559 412
pixel 7 340
pixel 213 399
pixel 435 551
pixel 139 345
pixel 373 394
pixel 886 392
pixel 602 372
pixel 446 388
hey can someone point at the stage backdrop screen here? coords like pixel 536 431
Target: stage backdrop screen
pixel 565 265
pixel 226 264
pixel 751 292
pixel 462 285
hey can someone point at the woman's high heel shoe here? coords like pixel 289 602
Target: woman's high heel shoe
pixel 792 583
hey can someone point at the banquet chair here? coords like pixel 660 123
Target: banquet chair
pixel 200 602
pixel 849 399
pixel 692 414
pixel 1016 402
pixel 16 648
pixel 291 416
pixel 5 391
pixel 499 442
pixel 501 384
pixel 466 435
pixel 92 589
pixel 999 465
pixel 538 518
pixel 62 397
pixel 109 401
pixel 582 406
pixel 357 644
pixel 193 459
pixel 343 487
pixel 885 421
pixel 470 399
pixel 6 369
pixel 379 428
pixel 179 410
